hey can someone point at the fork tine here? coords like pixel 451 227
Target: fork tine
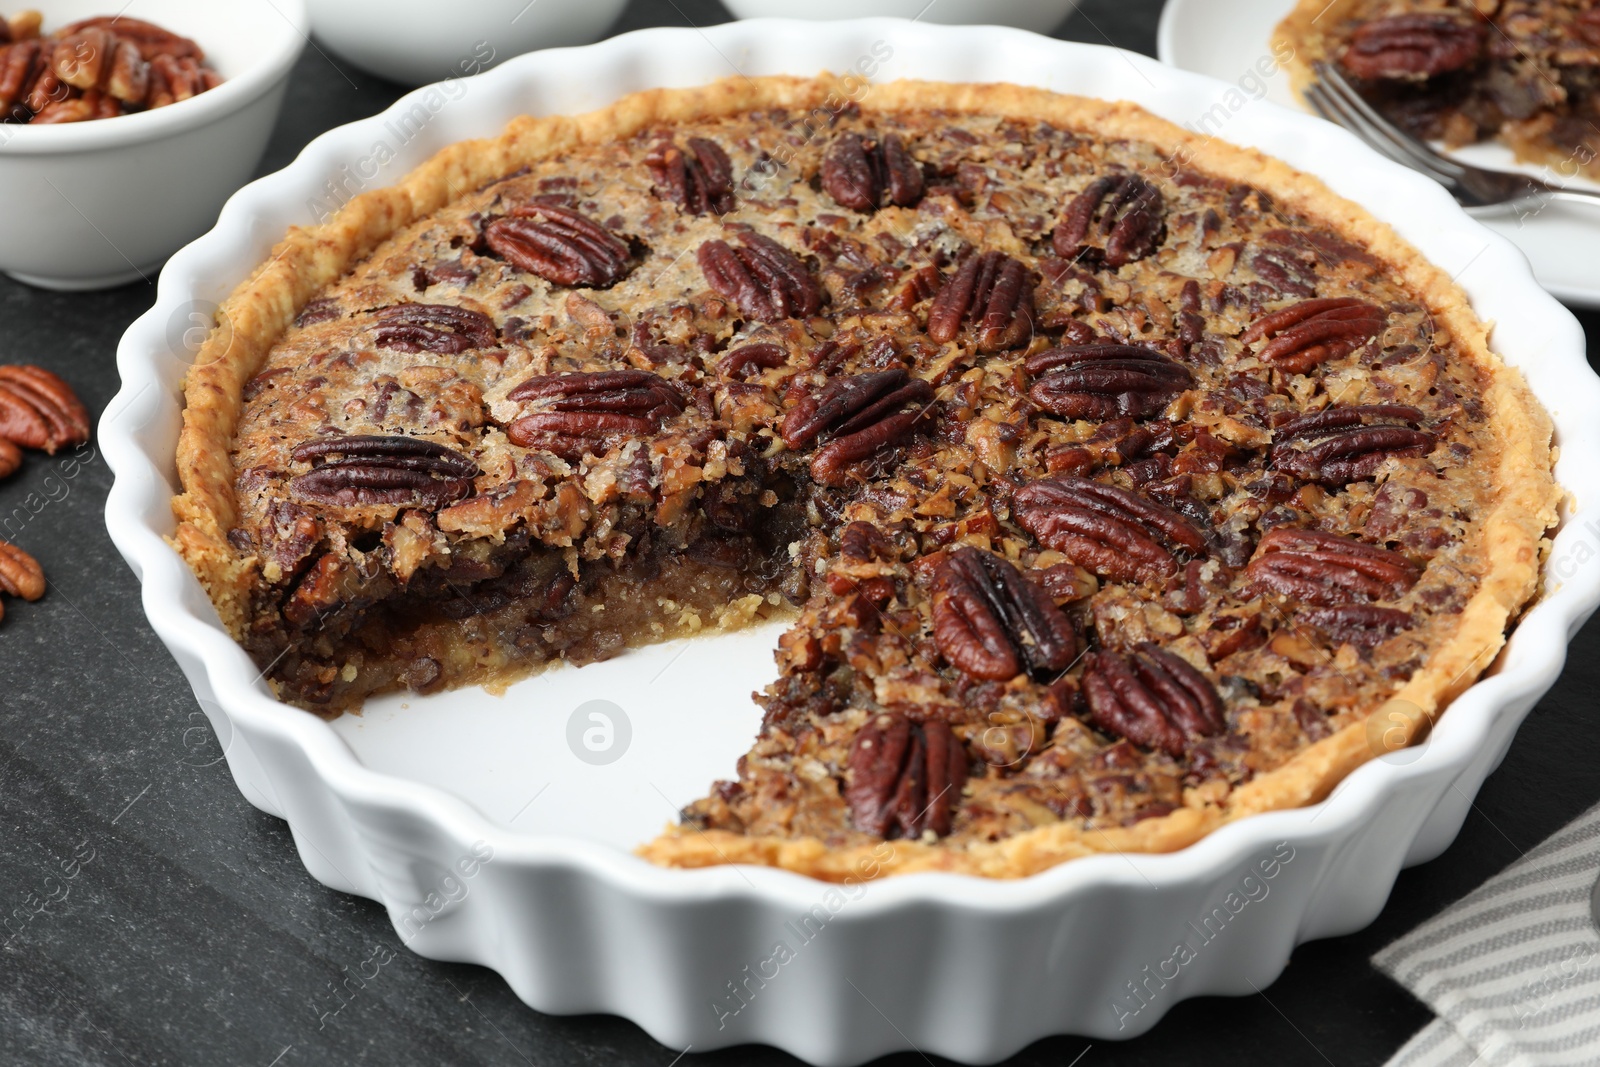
pixel 1337 85
pixel 1346 115
pixel 1353 120
pixel 1325 106
pixel 1338 112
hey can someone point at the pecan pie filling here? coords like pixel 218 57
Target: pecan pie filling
pixel 1526 72
pixel 1102 486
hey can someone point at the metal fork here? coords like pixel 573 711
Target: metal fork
pixel 1474 187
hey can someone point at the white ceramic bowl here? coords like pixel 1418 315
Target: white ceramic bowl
pixel 419 41
pixel 96 204
pixel 489 839
pixel 1040 16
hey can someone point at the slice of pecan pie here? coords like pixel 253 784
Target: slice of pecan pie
pixel 1525 72
pixel 1114 494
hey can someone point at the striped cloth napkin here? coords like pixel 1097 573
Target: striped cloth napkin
pixel 1513 968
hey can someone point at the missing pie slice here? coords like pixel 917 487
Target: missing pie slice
pixel 1118 479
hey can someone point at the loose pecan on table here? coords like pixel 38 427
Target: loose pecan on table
pixel 1340 445
pixel 39 410
pixel 992 623
pixel 21 575
pixel 1312 332
pixel 1327 570
pixel 857 414
pixel 10 458
pixel 442 328
pixel 1105 381
pixel 1115 220
pixel 1115 533
pixel 1413 46
pixel 858 173
pixel 559 245
pixel 1153 698
pixel 765 280
pixel 993 294
pixel 361 470
pixel 905 777
pixel 583 412
pixel 699 180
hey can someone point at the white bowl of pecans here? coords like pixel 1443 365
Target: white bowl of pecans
pixel 122 132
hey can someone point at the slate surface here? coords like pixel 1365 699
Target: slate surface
pixel 190 933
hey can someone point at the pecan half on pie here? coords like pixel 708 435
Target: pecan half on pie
pixel 1525 72
pixel 1112 495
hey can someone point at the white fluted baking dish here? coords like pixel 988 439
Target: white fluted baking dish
pixel 495 832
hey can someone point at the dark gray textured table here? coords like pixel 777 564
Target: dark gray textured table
pixel 191 934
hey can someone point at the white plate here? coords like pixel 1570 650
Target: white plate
pixel 1229 40
pixel 492 834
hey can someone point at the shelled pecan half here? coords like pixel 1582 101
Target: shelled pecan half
pixel 559 245
pixel 992 623
pixel 905 777
pixel 856 415
pixel 1152 697
pixel 1340 445
pixel 1413 46
pixel 699 179
pixel 17 66
pixel 1115 533
pixel 362 470
pixel 765 280
pixel 442 328
pixel 23 26
pixel 1362 625
pixel 10 458
pixel 1304 335
pixel 94 58
pixel 20 573
pixel 585 411
pixel 1105 381
pixel 1327 570
pixel 992 293
pixel 39 410
pixel 174 79
pixel 862 542
pixel 760 355
pixel 858 173
pixel 1116 219
pixel 152 40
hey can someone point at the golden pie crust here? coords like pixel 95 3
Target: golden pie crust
pixel 262 309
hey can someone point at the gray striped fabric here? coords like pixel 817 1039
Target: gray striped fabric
pixel 1513 968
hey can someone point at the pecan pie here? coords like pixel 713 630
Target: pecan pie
pixel 1113 494
pixel 1526 72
